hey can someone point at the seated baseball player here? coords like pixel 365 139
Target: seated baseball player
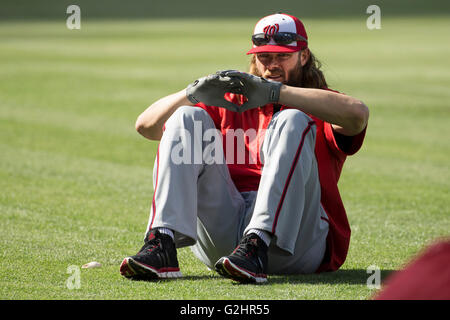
pixel 248 164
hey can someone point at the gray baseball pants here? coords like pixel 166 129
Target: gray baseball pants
pixel 196 198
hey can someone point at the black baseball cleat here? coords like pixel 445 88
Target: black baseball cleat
pixel 157 259
pixel 247 263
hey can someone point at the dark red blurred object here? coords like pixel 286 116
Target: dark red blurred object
pixel 426 277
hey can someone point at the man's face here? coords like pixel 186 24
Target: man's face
pixel 281 67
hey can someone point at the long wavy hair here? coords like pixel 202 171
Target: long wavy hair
pixel 309 76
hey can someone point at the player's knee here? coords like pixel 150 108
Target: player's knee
pixel 293 124
pixel 293 119
pixel 185 116
pixel 190 112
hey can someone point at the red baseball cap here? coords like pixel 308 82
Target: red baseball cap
pixel 280 22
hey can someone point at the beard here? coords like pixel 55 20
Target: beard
pixel 307 76
pixel 294 76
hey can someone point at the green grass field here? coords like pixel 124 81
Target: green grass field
pixel 76 177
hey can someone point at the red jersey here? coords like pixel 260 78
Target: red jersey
pixel 330 159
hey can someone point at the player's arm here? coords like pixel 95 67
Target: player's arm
pixel 209 90
pixel 347 115
pixel 151 122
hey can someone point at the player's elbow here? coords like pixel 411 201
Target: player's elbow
pixel 139 126
pixel 146 129
pixel 356 119
pixel 361 116
pixel 364 114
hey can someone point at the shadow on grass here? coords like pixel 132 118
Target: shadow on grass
pixel 349 276
pixel 183 278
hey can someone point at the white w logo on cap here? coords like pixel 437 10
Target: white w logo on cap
pixel 271 29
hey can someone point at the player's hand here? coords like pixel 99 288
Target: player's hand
pixel 211 90
pixel 257 90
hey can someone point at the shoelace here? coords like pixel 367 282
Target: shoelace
pixel 154 243
pixel 247 248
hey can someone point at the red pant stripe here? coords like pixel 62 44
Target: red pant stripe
pixel 291 172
